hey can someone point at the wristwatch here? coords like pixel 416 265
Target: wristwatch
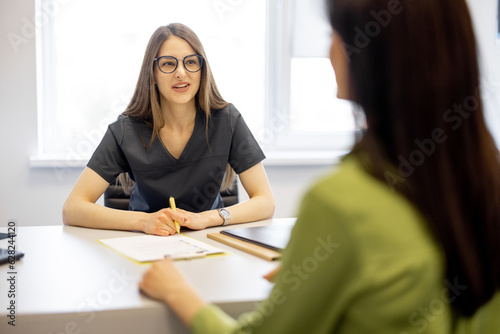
pixel 224 214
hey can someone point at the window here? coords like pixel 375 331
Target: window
pixel 303 111
pixel 89 53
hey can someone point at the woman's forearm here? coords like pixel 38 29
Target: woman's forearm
pixel 255 208
pixel 87 214
pixel 164 282
pixel 185 302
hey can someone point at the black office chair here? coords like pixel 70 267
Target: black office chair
pixel 116 198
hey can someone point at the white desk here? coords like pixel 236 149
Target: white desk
pixel 69 283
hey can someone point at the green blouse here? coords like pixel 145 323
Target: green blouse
pixel 360 260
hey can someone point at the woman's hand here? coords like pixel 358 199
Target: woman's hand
pixel 161 279
pixel 164 282
pixel 162 222
pixel 199 221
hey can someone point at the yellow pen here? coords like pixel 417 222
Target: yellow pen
pixel 172 206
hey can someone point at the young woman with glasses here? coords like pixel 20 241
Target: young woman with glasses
pixel 404 236
pixel 179 138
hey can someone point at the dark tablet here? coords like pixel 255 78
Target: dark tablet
pixel 274 237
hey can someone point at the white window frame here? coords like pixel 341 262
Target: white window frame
pixel 278 134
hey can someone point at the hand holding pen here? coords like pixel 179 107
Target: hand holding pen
pixel 173 207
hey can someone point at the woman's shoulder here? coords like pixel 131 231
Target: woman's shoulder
pixel 229 110
pixel 125 121
pixel 226 116
pixel 382 223
pixel 346 177
pixel 366 203
pixel 126 126
pixel 351 190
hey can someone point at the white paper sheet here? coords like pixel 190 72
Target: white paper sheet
pixel 146 248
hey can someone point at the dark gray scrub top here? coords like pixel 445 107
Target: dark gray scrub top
pixel 194 180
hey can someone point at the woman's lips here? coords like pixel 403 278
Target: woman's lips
pixel 181 87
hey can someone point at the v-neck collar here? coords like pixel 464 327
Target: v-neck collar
pixel 192 138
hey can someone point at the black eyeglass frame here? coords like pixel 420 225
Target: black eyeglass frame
pixel 177 63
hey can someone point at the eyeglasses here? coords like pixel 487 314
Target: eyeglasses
pixel 168 64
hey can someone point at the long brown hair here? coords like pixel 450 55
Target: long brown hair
pixel 145 102
pixel 414 71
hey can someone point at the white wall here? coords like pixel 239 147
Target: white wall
pixel 34 196
pixel 31 196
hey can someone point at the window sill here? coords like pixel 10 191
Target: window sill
pixel 46 161
pixel 287 158
pixel 303 158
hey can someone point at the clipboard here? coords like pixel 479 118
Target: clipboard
pixel 147 248
pixel 251 248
